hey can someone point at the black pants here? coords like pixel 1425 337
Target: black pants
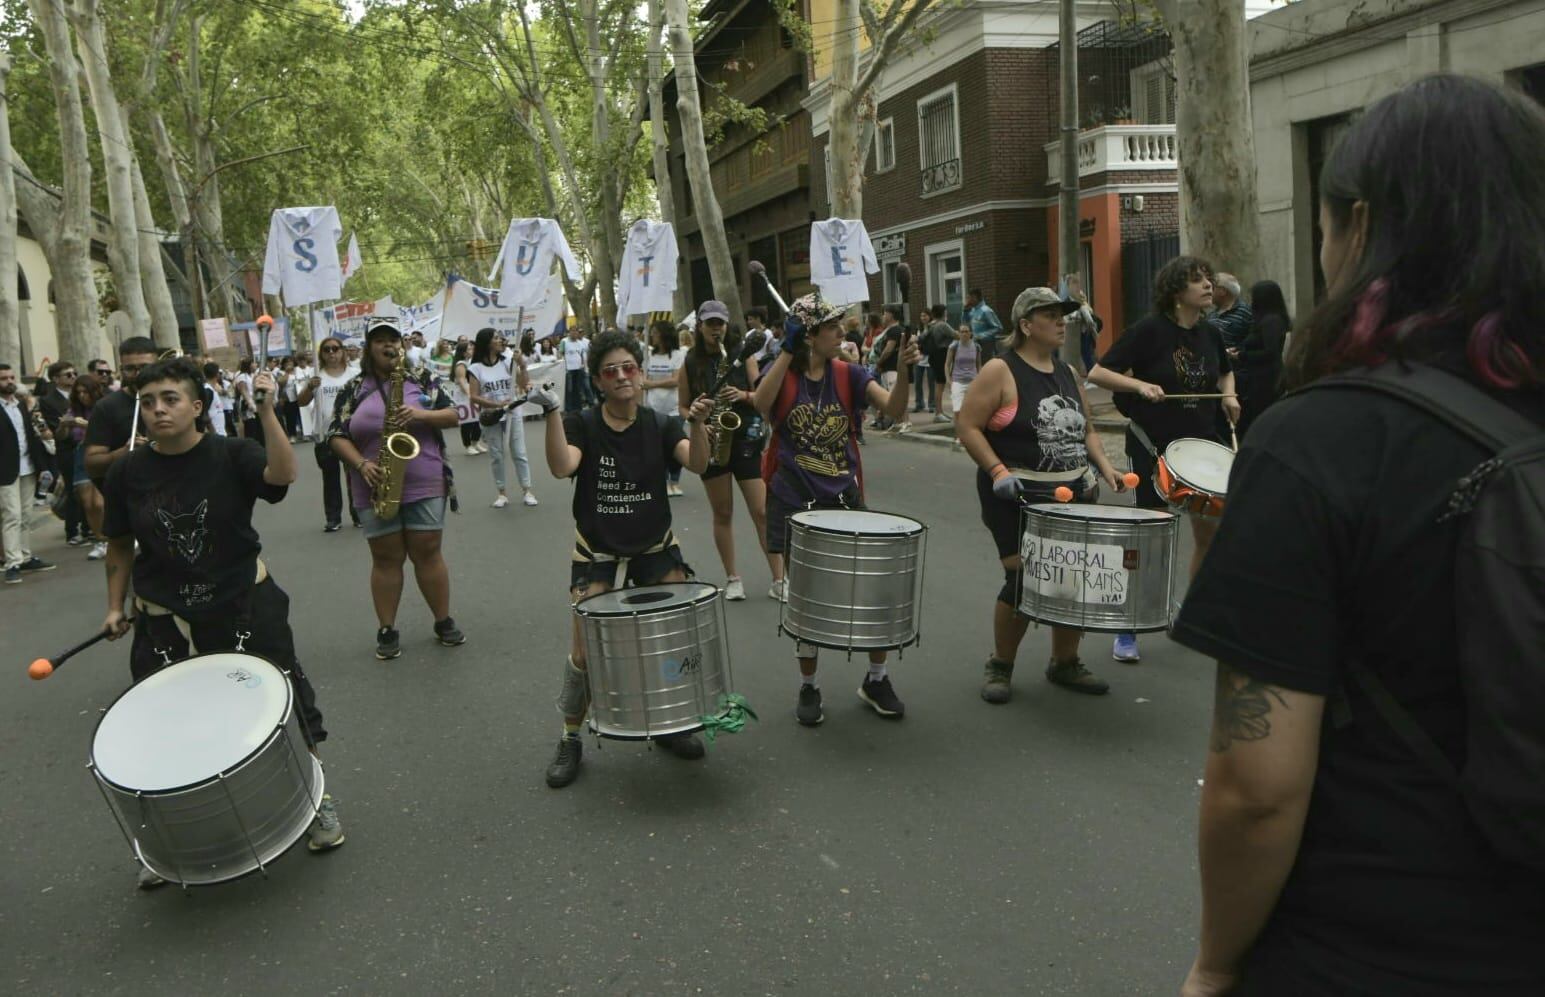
pixel 270 637
pixel 471 432
pixel 74 516
pixel 289 416
pixel 332 486
pixel 253 429
pixel 576 390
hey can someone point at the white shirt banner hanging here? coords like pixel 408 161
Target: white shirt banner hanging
pixel 840 255
pixel 302 257
pixel 647 281
pixel 526 259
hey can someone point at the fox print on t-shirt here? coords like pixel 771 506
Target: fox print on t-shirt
pixel 184 532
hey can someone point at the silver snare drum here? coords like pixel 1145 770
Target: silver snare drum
pixel 855 579
pixel 1097 567
pixel 657 659
pixel 206 768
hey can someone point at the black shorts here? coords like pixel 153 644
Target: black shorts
pixel 1002 518
pixel 745 462
pixel 645 569
pixel 779 511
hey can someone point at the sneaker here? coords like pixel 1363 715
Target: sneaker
pixel 779 591
pixel 326 830
pixel 388 643
pixel 734 590
pixel 687 746
pixel 808 712
pixel 98 551
pixel 995 688
pixel 674 490
pixel 36 563
pixel 903 427
pixel 941 417
pixel 447 633
pixel 332 528
pixel 149 880
pixel 482 447
pixel 1089 385
pixel 565 766
pixel 1124 649
pixel 75 541
pixel 1073 675
pixel 501 502
pixel 882 698
pixel 528 499
pixel 13 576
pixel 473 451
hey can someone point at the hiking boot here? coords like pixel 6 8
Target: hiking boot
pixel 149 880
pixel 882 698
pixel 1073 675
pixel 447 633
pixel 995 686
pixel 565 766
pixel 808 712
pixel 388 643
pixel 688 746
pixel 326 830
pixel 1124 649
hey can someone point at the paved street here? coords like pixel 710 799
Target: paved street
pixel 1043 847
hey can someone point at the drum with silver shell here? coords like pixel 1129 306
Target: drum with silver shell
pixel 1097 567
pixel 207 768
pixel 656 657
pixel 855 579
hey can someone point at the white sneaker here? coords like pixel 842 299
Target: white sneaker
pixel 903 427
pixel 98 551
pixel 734 590
pixel 779 590
pixel 501 502
pixel 528 499
pixel 482 447
pixel 473 451
pixel 674 490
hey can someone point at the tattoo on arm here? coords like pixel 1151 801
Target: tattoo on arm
pixel 1242 708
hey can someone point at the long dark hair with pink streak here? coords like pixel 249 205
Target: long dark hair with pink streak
pixel 1453 266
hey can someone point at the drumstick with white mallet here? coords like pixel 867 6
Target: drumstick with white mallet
pixel 42 668
pixel 757 270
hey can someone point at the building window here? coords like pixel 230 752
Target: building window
pixel 938 141
pixel 1153 93
pixel 891 288
pixel 946 265
pixel 885 146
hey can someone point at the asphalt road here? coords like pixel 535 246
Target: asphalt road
pixel 1042 847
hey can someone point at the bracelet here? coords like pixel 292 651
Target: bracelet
pixel 360 467
pixel 992 472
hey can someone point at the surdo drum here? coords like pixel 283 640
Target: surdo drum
pixel 1192 476
pixel 1097 567
pixel 207 769
pixel 855 579
pixel 657 659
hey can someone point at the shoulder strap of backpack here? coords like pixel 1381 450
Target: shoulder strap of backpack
pixel 1403 724
pixel 1445 396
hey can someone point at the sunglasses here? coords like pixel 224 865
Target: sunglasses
pixel 129 369
pixel 615 370
pixel 68 373
pixel 332 349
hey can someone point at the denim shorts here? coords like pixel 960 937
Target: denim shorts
pixel 424 516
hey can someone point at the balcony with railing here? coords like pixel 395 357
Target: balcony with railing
pixel 941 177
pixel 1117 149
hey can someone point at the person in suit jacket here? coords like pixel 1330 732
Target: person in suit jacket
pixel 22 454
pixel 54 403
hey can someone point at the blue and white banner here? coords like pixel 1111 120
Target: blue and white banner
pixel 468 308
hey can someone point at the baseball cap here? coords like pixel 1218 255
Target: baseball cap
pixel 713 309
pixel 813 311
pixel 1032 298
pixel 382 327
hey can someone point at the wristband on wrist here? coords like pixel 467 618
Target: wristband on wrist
pixel 997 471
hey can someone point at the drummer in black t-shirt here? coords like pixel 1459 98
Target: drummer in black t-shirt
pixel 1174 351
pixel 199 585
pixel 617 453
pixel 1024 422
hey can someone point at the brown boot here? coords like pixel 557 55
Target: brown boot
pixel 1073 675
pixel 995 687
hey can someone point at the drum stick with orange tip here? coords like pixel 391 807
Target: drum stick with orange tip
pixel 1063 494
pixel 1131 480
pixel 42 668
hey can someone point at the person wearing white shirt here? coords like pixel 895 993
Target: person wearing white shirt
pixel 494 381
pixel 21 452
pixel 662 369
pixel 840 255
pixel 319 393
pixel 218 405
pixel 576 375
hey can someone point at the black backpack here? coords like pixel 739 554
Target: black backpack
pixel 1499 605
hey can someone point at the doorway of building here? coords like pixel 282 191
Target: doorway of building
pixel 947 279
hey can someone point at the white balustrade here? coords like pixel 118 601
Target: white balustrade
pixel 1116 148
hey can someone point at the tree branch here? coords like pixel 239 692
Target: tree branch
pixel 881 52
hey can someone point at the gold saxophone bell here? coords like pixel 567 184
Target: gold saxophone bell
pixel 403 446
pixel 396 449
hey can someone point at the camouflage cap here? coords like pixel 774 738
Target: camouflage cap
pixel 1032 298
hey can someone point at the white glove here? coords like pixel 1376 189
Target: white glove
pixel 1007 487
pixel 543 396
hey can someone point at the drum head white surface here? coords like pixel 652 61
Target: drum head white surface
pixel 856 521
pixel 1202 464
pixel 1100 513
pixel 190 722
pixel 645 599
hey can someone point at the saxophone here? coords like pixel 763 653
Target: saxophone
pixel 397 448
pixel 722 424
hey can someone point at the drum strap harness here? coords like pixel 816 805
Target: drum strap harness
pixel 174 638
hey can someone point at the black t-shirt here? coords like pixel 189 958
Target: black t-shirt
pixel 890 338
pixel 1331 549
pixel 112 420
pixel 702 372
pixel 1182 362
pixel 620 504
pixel 192 515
